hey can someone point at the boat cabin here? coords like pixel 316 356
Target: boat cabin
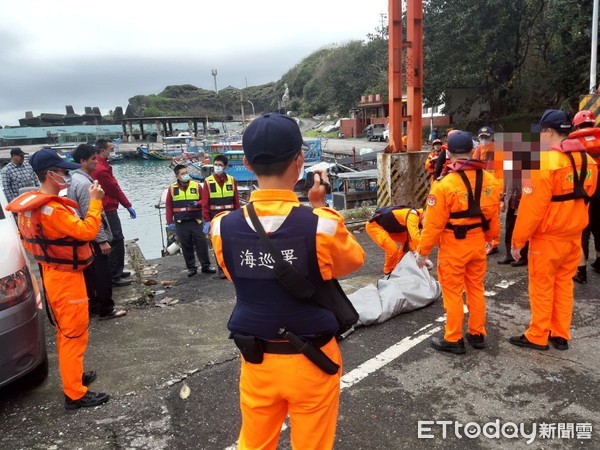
pixel 352 189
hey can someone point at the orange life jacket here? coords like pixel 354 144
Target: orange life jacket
pixel 66 254
pixel 568 147
pixel 590 138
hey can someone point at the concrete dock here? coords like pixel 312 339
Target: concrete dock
pixel 397 391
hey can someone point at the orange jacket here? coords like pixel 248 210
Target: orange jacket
pixel 450 195
pixel 337 251
pixel 52 231
pixel 542 218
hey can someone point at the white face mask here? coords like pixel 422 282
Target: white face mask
pixel 483 140
pixel 185 177
pixel 219 170
pixel 66 180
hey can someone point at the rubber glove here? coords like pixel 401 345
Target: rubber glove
pixel 421 260
pixel 131 212
pixel 206 228
pixel 172 227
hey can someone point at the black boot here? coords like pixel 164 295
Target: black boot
pixel 581 275
pixel 507 259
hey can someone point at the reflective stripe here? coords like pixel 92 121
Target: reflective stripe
pixel 186 209
pixel 78 301
pixel 269 223
pixel 327 226
pixel 215 228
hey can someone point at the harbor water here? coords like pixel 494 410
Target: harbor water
pixel 143 181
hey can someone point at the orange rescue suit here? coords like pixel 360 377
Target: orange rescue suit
pixel 461 262
pixel 553 229
pixel 392 243
pixel 64 286
pixel 292 384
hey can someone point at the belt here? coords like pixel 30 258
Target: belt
pixel 286 347
pixel 449 226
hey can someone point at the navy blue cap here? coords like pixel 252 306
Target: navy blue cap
pixel 271 138
pixel 460 142
pixel 46 158
pixel 556 119
pixel 485 131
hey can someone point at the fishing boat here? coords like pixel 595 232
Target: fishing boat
pixel 172 147
pixel 115 158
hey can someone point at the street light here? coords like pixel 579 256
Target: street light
pixel 213 72
pixel 252 104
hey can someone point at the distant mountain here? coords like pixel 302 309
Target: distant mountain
pixel 329 81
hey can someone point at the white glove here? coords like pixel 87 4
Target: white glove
pixel 421 260
pixel 515 253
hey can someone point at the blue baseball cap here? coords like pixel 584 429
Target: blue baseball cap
pixel 45 158
pixel 271 138
pixel 555 119
pixel 460 142
pixel 485 131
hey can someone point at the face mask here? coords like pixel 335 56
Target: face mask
pixel 483 141
pixel 185 177
pixel 66 180
pixel 219 170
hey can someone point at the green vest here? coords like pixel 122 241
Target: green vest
pixel 183 201
pixel 222 198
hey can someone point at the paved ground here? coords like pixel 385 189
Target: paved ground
pixel 145 358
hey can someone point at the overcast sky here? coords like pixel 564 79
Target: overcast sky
pixel 57 53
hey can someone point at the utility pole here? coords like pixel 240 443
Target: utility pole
pixel 242 105
pixel 593 58
pixel 383 19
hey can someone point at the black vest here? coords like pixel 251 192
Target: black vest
pixel 263 305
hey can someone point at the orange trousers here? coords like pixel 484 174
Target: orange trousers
pixel 391 243
pixel 552 265
pixel 289 383
pixel 67 296
pixel 461 267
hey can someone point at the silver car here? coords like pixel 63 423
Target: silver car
pixel 22 338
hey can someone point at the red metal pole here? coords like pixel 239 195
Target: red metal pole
pixel 414 73
pixel 395 74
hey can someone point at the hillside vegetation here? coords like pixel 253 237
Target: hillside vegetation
pixel 521 56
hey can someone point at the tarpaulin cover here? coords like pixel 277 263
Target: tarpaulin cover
pixel 407 289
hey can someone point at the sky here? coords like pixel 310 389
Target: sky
pixel 57 53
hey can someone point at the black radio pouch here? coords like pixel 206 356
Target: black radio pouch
pixel 251 347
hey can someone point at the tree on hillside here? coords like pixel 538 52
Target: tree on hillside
pixel 520 55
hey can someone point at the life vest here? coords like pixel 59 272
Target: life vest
pixel 590 138
pixel 387 220
pixel 222 198
pixel 568 147
pixel 184 207
pixel 474 207
pixel 65 254
pixel 432 161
